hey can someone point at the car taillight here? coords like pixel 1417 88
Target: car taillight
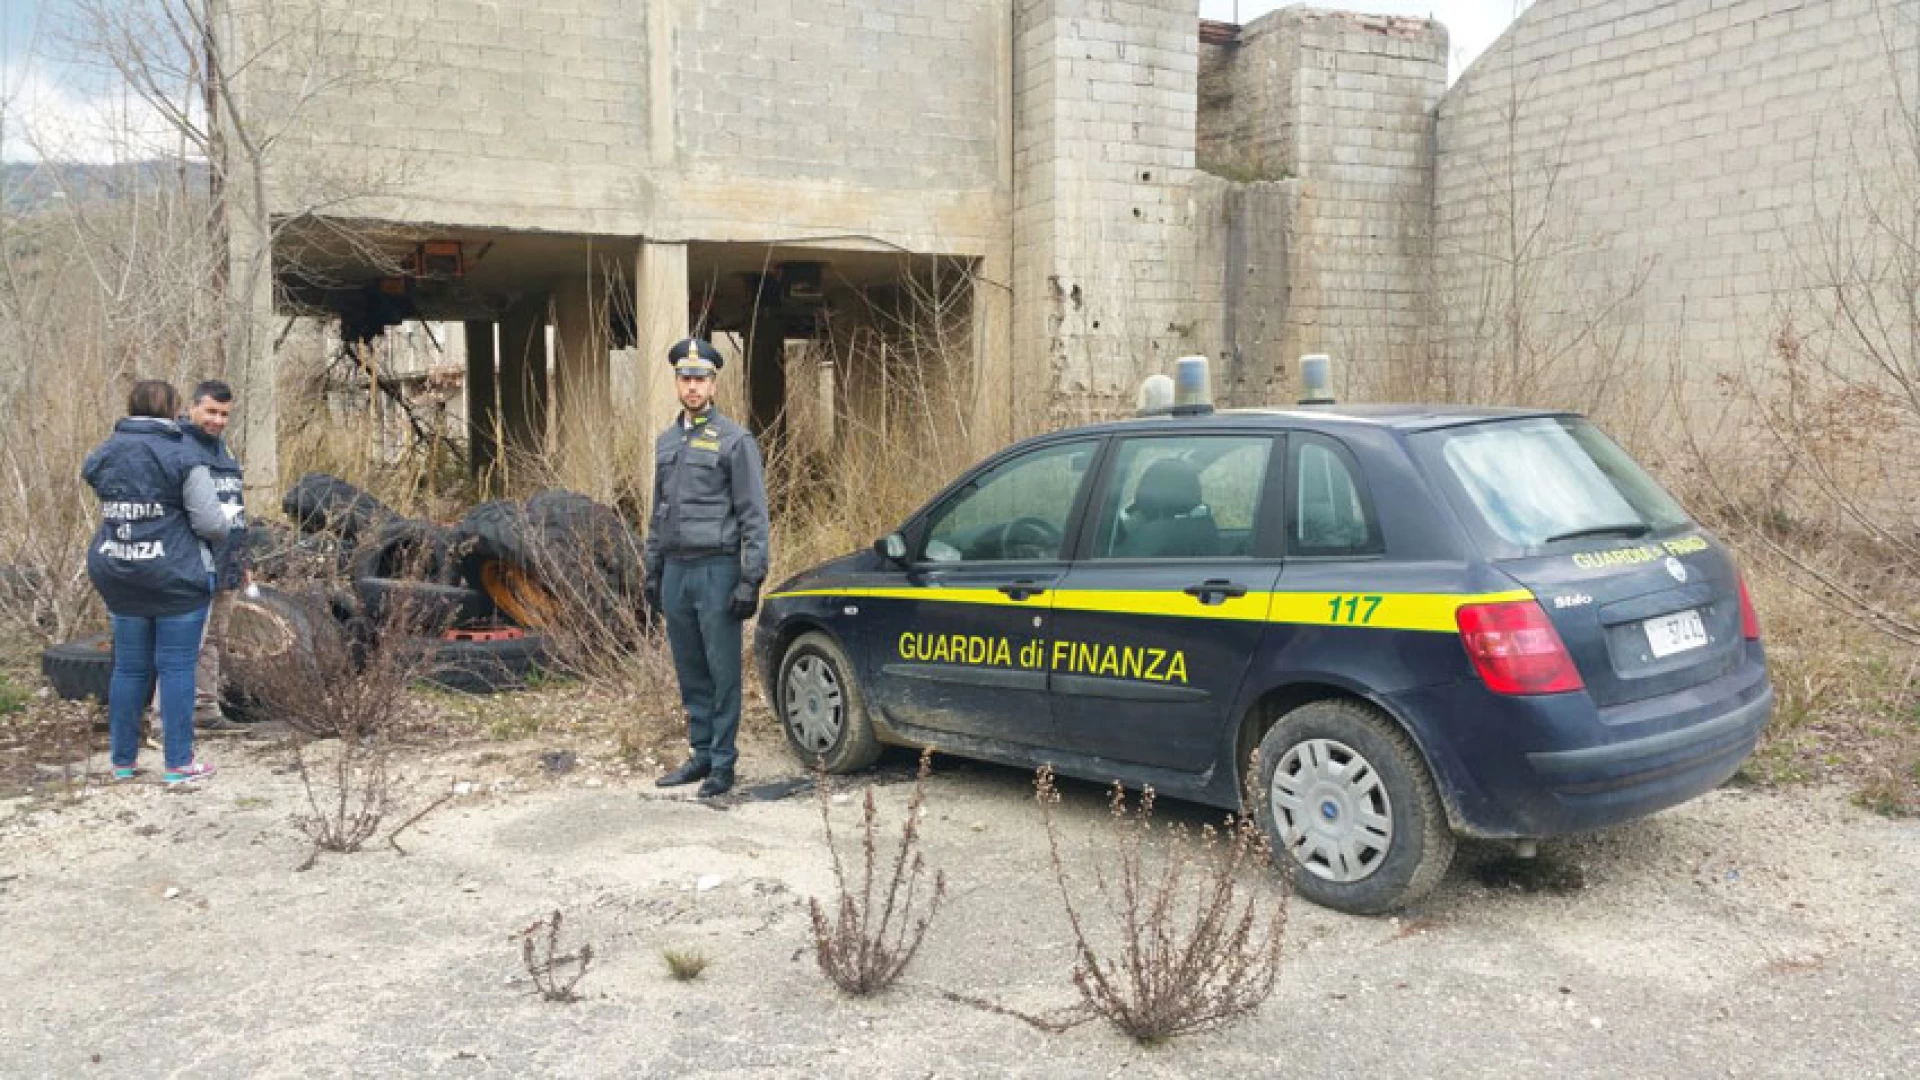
pixel 1749 618
pixel 1516 650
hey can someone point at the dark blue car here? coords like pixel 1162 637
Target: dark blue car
pixel 1427 621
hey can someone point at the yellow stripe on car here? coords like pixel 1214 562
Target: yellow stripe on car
pixel 1382 610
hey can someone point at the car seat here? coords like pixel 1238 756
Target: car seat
pixel 1167 518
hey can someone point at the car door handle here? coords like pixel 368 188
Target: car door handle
pixel 1020 590
pixel 1215 590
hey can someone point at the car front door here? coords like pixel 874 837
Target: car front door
pixel 960 649
pixel 1158 620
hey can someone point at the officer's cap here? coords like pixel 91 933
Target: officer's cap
pixel 695 358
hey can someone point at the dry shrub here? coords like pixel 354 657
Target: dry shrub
pixel 344 412
pixel 597 627
pixel 348 704
pixel 883 413
pixel 98 287
pixel 555 973
pixel 874 930
pixel 685 964
pixel 1190 943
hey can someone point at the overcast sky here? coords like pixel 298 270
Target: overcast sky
pixel 73 119
pixel 1472 25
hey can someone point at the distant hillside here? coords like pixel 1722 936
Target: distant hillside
pixel 27 185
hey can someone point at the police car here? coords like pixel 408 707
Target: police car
pixel 1428 621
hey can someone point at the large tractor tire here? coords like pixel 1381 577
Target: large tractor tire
pixel 318 502
pixel 559 554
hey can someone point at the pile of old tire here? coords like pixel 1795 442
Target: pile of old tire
pixel 558 556
pixel 262 628
pixel 405 570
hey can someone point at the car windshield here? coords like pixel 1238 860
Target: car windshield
pixel 1543 481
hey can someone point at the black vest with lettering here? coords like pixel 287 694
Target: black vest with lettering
pixel 145 560
pixel 229 558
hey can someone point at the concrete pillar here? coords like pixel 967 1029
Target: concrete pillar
pixel 582 382
pixel 483 405
pixel 766 374
pixel 991 389
pixel 523 383
pixel 661 298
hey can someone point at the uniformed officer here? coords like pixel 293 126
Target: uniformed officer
pixel 706 557
pixel 205 425
pixel 153 569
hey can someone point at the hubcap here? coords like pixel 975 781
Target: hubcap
pixel 812 705
pixel 1332 810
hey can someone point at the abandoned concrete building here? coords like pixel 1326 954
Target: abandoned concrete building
pixel 1079 191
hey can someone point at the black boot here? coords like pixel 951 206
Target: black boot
pixel 690 770
pixel 719 782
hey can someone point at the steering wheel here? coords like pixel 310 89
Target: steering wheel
pixel 1031 538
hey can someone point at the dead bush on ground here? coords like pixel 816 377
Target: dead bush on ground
pixel 1183 938
pixel 874 930
pixel 554 972
pixel 347 703
pixel 685 964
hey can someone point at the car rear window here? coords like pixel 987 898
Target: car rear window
pixel 1543 481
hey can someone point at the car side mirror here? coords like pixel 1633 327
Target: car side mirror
pixel 892 547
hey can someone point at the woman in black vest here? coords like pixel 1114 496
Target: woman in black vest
pixel 151 564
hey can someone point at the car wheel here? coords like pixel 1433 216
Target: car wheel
pixel 80 669
pixel 821 708
pixel 1351 809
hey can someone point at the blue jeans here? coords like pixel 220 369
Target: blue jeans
pixel 695 594
pixel 143 647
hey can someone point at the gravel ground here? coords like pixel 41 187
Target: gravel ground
pixel 151 932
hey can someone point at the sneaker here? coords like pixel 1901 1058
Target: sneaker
pixel 217 723
pixel 124 772
pixel 191 771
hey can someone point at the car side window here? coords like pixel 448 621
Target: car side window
pixel 1016 510
pixel 1191 497
pixel 1328 513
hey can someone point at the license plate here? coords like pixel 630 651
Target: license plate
pixel 1674 633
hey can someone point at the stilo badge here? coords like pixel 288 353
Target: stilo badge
pixel 1678 569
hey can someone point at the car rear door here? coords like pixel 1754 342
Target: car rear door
pixel 1158 619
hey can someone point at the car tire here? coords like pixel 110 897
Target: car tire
pixel 1324 767
pixel 80 669
pixel 264 629
pixel 318 502
pixel 821 708
pixel 482 666
pixel 428 607
pixel 407 548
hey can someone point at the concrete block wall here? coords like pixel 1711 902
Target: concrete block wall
pixel 1103 164
pixel 1242 236
pixel 708 119
pixel 1700 144
pixel 884 93
pixel 1362 142
pixel 512 113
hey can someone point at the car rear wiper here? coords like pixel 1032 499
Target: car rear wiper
pixel 1618 528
